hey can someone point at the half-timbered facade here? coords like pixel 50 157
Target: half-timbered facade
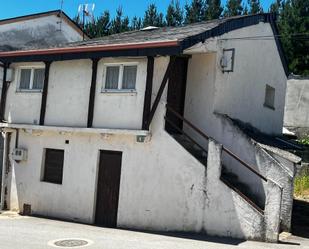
pixel 150 130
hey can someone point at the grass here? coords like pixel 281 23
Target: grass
pixel 304 141
pixel 301 186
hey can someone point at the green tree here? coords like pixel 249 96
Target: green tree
pixel 233 8
pixel 136 23
pixel 174 14
pixel 213 9
pixel 195 12
pixel 275 7
pixel 293 26
pixel 255 7
pixel 152 17
pixel 119 23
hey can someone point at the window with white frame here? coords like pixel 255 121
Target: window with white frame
pixel 119 77
pixel 31 78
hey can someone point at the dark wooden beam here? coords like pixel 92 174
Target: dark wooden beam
pixel 148 92
pixel 92 92
pixel 161 89
pixel 3 92
pixel 44 93
pixel 164 51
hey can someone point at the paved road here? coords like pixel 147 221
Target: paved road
pixel 17 232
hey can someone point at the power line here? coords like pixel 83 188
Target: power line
pixel 296 36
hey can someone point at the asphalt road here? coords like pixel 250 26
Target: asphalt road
pixel 19 232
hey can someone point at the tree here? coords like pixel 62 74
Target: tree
pixel 152 17
pixel 233 8
pixel 213 9
pixel 174 14
pixel 136 23
pixel 293 26
pixel 255 7
pixel 275 7
pixel 195 12
pixel 119 23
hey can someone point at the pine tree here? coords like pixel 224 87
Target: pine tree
pixel 213 9
pixel 255 7
pixel 103 24
pixel 233 8
pixel 152 17
pixel 195 12
pixel 275 7
pixel 174 14
pixel 119 23
pixel 136 23
pixel 293 27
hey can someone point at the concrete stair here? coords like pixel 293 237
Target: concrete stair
pixel 234 181
pixel 230 178
pixel 192 148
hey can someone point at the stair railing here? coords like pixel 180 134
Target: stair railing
pixel 242 162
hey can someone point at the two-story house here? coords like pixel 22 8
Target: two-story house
pixel 152 129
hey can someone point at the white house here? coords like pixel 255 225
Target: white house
pixel 145 130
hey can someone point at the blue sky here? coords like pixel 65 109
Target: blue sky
pixel 13 8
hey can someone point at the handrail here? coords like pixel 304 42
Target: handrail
pixel 187 122
pixel 223 147
pixel 186 135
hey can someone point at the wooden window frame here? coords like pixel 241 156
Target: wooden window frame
pixel 32 68
pixel 43 175
pixel 121 66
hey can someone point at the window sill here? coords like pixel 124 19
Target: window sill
pixel 29 91
pixel 119 92
pixel 269 107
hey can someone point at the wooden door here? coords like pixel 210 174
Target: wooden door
pixel 108 188
pixel 177 92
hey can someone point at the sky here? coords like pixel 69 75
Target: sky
pixel 13 8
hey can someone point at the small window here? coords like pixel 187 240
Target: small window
pixel 269 97
pixel 120 77
pixel 53 166
pixel 31 79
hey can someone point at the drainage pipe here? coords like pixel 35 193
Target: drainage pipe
pixel 4 166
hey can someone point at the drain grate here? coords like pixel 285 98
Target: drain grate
pixel 70 243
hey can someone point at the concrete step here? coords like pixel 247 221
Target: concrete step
pixel 192 148
pixel 244 188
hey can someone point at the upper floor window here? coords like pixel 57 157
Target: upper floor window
pixel 119 77
pixel 31 78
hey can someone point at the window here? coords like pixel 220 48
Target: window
pixel 121 77
pixel 31 79
pixel 269 97
pixel 53 166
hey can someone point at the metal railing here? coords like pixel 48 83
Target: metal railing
pixel 196 129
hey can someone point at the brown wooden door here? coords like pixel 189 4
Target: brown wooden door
pixel 108 188
pixel 177 92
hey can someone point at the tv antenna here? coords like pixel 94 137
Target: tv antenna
pixel 60 14
pixel 86 14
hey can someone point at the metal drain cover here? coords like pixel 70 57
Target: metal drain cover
pixel 70 243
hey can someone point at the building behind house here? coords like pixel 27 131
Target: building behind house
pixel 153 129
pixel 296 113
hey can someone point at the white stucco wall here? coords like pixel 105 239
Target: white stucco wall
pixel 120 110
pixel 241 94
pixel 40 31
pixel 22 107
pixel 68 93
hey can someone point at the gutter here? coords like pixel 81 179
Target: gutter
pixel 93 48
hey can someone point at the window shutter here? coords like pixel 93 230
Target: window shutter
pixel 53 170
